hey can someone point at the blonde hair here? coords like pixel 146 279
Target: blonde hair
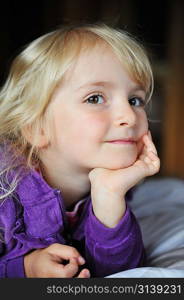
pixel 37 71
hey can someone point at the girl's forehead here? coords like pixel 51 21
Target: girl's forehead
pixel 92 59
pixel 97 61
pixel 98 67
pixel 98 58
pixel 90 62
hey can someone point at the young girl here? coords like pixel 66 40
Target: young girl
pixel 74 140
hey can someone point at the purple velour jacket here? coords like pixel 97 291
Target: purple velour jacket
pixel 34 217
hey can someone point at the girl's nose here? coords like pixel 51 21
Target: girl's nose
pixel 125 115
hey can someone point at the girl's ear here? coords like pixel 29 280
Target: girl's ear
pixel 35 136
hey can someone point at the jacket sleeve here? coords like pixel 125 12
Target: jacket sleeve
pixel 13 268
pixel 19 235
pixel 111 250
pixel 11 260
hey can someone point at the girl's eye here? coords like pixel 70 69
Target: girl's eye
pixel 95 99
pixel 137 101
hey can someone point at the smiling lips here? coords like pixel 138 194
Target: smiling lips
pixel 123 141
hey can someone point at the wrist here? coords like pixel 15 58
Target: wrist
pixel 28 267
pixel 108 210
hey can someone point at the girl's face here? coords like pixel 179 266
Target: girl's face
pixel 98 115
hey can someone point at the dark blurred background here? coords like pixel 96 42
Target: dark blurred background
pixel 158 24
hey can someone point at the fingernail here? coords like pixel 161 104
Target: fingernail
pixel 81 260
pixel 87 273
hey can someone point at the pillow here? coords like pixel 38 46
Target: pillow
pixel 158 205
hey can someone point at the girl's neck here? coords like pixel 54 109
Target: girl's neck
pixel 73 187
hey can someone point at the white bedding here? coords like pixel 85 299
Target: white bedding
pixel 159 207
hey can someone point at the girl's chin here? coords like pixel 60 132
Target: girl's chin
pixel 115 165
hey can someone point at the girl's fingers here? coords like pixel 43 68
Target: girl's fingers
pixel 153 156
pixel 58 270
pixel 84 274
pixel 71 268
pixel 65 252
pixel 67 271
pixel 149 135
pixel 149 144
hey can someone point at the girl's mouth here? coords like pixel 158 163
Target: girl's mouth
pixel 123 141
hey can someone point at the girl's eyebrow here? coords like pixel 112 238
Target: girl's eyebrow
pixel 134 88
pixel 96 83
pixel 138 88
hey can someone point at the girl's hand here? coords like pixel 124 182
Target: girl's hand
pixel 108 187
pixel 47 263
